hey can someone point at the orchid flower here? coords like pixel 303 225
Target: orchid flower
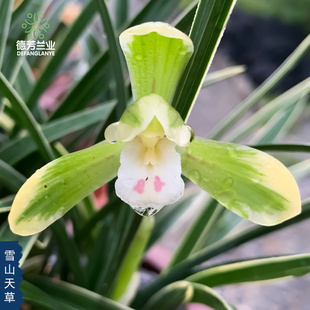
pixel 151 146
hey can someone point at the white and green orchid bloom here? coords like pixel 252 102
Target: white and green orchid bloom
pixel 151 146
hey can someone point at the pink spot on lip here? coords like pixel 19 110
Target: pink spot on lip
pixel 139 187
pixel 158 184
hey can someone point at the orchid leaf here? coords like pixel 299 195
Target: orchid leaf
pixel 207 296
pixel 305 147
pixel 183 292
pixel 19 148
pixel 193 234
pixel 285 100
pixel 62 50
pixel 171 296
pixel 220 75
pixel 25 117
pixel 5 19
pixel 58 186
pixel 156 55
pixel 9 177
pixel 133 257
pixel 75 296
pixel 250 183
pixel 261 91
pixel 115 57
pixel 208 26
pixel 36 297
pixel 254 270
pixel 186 268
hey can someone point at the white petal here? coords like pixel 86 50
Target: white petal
pixel 147 188
pixel 138 116
pixel 111 132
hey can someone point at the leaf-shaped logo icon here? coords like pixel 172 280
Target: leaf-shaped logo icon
pixel 37 24
pixel 29 21
pixel 36 33
pixel 29 29
pixel 35 17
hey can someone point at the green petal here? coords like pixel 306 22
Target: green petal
pixel 140 114
pixel 55 188
pixel 248 182
pixel 156 55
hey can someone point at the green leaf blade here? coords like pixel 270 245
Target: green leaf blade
pixel 133 257
pixel 254 270
pixel 6 8
pixel 207 29
pixel 261 91
pixel 115 56
pixel 26 118
pixel 16 150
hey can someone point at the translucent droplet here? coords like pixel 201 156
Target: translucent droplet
pixel 194 175
pixel 225 196
pixel 138 57
pixel 233 152
pixel 146 211
pixel 240 208
pixel 227 183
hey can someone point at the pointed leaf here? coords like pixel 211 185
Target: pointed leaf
pixel 29 21
pixel 19 148
pixel 248 182
pixel 5 19
pixel 25 117
pixel 74 296
pixel 42 21
pixel 207 296
pixel 9 177
pixel 184 292
pixel 115 56
pixel 35 17
pixel 36 33
pixel 186 268
pixel 254 270
pixel 133 257
pixel 156 54
pixel 220 75
pixel 171 296
pixel 207 29
pixel 36 297
pixel 284 147
pixel 261 91
pixel 28 29
pixel 62 50
pixel 58 186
